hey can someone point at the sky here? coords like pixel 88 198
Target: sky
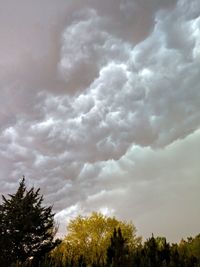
pixel 100 108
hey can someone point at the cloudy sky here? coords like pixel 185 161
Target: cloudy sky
pixel 100 108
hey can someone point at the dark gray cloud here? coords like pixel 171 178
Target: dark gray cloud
pixel 98 99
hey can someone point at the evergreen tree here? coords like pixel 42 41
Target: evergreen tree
pixel 163 251
pixel 26 227
pixel 117 252
pixel 151 251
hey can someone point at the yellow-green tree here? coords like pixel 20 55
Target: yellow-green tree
pixel 89 237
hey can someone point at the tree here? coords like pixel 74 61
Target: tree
pixel 117 252
pixel 27 227
pixel 90 237
pixel 151 251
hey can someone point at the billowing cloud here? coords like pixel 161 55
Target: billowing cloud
pixel 100 103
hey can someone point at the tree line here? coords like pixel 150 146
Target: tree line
pixel 28 231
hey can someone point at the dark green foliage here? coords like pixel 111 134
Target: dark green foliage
pixel 26 227
pixel 151 251
pixel 117 252
pixel 156 252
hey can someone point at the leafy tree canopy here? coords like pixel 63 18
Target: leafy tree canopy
pixel 89 237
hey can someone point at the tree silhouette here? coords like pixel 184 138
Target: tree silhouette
pixel 117 252
pixel 27 228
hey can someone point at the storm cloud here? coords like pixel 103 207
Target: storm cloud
pixel 100 107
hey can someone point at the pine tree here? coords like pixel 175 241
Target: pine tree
pixel 27 227
pixel 117 252
pixel 151 251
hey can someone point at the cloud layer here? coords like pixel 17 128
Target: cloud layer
pixel 100 108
